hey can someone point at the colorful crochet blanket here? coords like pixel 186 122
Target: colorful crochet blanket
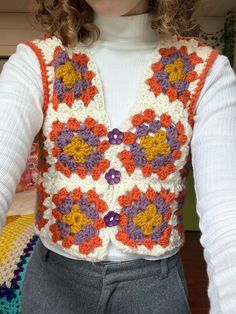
pixel 17 243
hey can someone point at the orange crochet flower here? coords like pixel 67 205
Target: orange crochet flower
pixel 60 167
pixel 148 243
pixel 92 196
pixel 84 248
pixel 96 173
pixel 99 223
pixel 99 129
pixel 73 124
pixel 101 205
pixel 176 154
pixel 69 99
pixel 81 172
pixel 148 115
pixel 55 233
pixel 147 170
pixel 68 241
pixel 150 194
pixel 89 75
pixel 129 138
pixel 104 164
pixel 156 67
pixel 76 194
pixel 89 122
pixel 182 138
pixel 56 214
pixel 86 98
pixel 41 223
pixel 95 241
pixel 60 196
pixel 180 128
pixel 124 200
pixel 56 151
pixel 135 194
pixel 92 91
pixel 80 58
pixel 137 119
pixel 125 155
pixel 165 119
pixel 165 171
pixel 103 146
pixel 130 166
pixel 56 130
pixel 123 220
pixel 172 94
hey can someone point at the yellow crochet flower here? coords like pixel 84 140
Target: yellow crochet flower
pixel 175 71
pixel 78 149
pixel 154 145
pixel 148 219
pixel 68 74
pixel 76 219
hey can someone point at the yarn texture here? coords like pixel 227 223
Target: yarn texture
pixel 98 184
pixel 17 244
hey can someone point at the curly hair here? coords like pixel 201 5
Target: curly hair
pixel 72 20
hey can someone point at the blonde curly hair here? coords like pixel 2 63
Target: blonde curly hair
pixel 72 20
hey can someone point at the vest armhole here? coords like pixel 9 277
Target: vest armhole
pixel 43 70
pixel 209 62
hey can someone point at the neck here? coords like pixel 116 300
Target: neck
pixel 141 7
pixel 132 31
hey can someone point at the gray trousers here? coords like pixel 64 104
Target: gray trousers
pixel 55 284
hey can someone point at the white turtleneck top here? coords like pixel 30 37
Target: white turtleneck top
pixel 121 55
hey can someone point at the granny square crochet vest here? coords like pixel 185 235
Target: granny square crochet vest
pixel 127 184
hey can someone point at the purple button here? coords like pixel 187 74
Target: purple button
pixel 115 136
pixel 111 218
pixel 113 176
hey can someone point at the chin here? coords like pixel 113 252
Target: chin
pixel 109 12
pixel 107 8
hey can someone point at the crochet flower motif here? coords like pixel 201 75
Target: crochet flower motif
pixel 111 218
pixel 148 219
pixel 154 146
pixel 115 136
pixel 77 219
pixel 80 147
pixel 173 73
pixel 113 176
pixel 68 74
pixel 144 218
pixel 73 79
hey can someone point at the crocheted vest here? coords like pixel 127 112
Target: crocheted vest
pixel 127 184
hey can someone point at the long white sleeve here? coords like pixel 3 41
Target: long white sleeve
pixel 21 97
pixel 213 149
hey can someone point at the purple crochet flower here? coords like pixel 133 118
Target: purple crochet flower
pixel 154 126
pixel 181 86
pixel 142 130
pixel 115 136
pixel 111 218
pixel 113 176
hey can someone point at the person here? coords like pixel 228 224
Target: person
pixel 121 103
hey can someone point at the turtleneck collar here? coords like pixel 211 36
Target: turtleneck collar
pixel 126 32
